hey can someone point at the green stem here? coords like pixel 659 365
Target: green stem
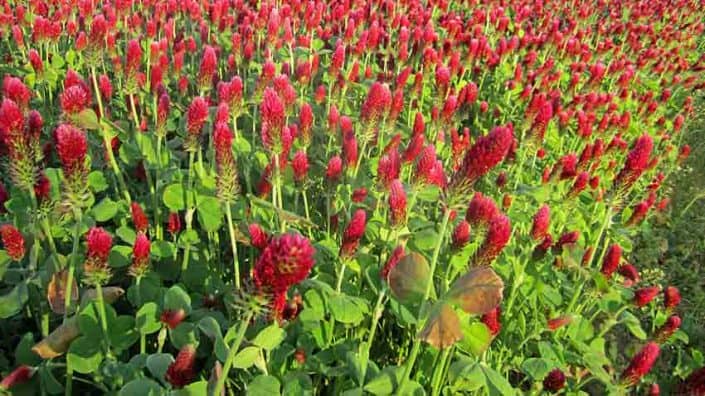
pixel 220 385
pixel 439 371
pixel 376 314
pixel 233 244
pixel 72 265
pixel 424 302
pixel 103 316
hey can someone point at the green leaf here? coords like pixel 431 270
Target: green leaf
pixel 184 334
pixel 633 324
pixel 12 302
pixel 97 182
pixel 120 256
pixel 87 119
pixel 270 337
pixel 23 352
pixel 344 310
pixel 158 363
pixel 426 239
pixel 122 332
pixel 314 306
pixel 5 261
pixel 147 321
pixel 163 249
pixel 476 338
pixel 142 387
pixel 242 146
pixel 176 298
pixel 385 382
pixel 105 210
pixel 264 385
pixel 210 327
pixel 174 197
pixel 194 389
pixel 84 355
pixel 297 383
pixel 246 357
pixel 497 383
pixel 210 214
pixel 127 234
pixel 537 368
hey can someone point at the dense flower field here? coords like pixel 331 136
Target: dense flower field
pixel 345 197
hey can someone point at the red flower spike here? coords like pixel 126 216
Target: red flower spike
pixel 645 295
pixel 181 372
pixel 499 231
pixel 174 224
pixel 18 376
pixel 140 256
pixel 671 297
pixel 300 166
pixel 641 364
pixel 612 260
pixel 99 242
pixel 554 381
pixel 353 233
pixel 484 155
pixel 285 261
pixel 541 223
pixel 172 318
pixel 461 235
pixel 492 320
pixel 139 219
pixel 258 237
pixel 673 323
pixel 13 241
pixel 397 203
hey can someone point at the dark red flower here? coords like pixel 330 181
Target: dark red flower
pixel 645 295
pixel 140 256
pixel 484 155
pixel 273 119
pixel 558 322
pixel 671 297
pixel 673 323
pixel 181 372
pixel 499 231
pixel 641 363
pixel 139 219
pixel 196 116
pixel 461 235
pixel 392 261
pixel 492 320
pixel 693 385
pixel 71 146
pixel 334 169
pixel 554 381
pixel 285 261
pixel 172 318
pixel 208 67
pixel 359 195
pixel 353 233
pixel 612 260
pixel 481 210
pixel 630 274
pixel 99 242
pixel 13 241
pixel 568 238
pixel 397 203
pixel 174 225
pixel 74 99
pixel 300 166
pixel 637 161
pixel 18 376
pixel 541 223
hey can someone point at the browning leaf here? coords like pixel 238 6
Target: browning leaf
pixel 56 292
pixel 477 292
pixel 58 341
pixel 442 328
pixel 408 278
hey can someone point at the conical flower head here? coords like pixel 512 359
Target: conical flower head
pixel 140 256
pixel 641 363
pixel 285 261
pixel 12 241
pixel 484 155
pixel 273 118
pixel 353 233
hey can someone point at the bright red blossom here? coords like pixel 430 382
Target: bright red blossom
pixel 641 363
pixel 285 261
pixel 13 241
